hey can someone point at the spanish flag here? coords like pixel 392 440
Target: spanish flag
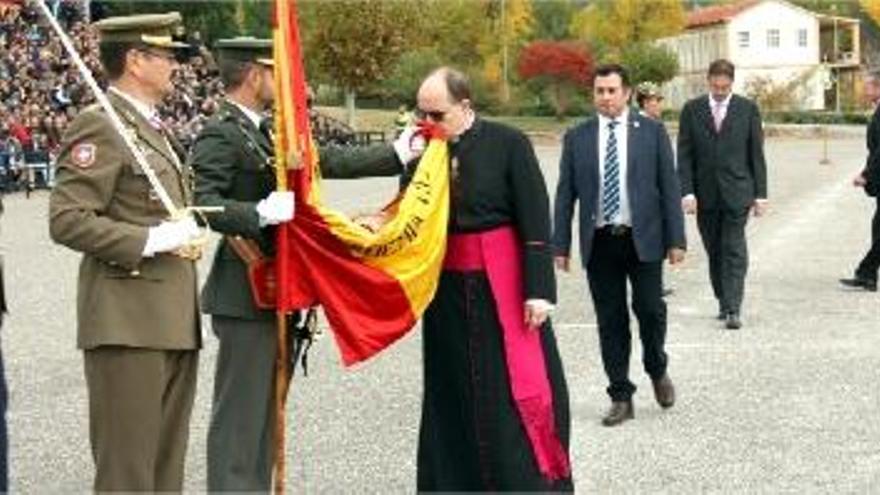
pixel 374 282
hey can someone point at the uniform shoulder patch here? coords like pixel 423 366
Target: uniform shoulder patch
pixel 83 155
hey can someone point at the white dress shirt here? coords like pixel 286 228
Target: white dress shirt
pixel 253 116
pixel 719 106
pixel 621 132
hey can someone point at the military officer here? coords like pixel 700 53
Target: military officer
pixel 232 159
pixel 137 308
pixel 649 100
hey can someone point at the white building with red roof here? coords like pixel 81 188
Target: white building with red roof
pixel 814 56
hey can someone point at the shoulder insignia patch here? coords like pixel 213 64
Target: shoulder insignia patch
pixel 83 155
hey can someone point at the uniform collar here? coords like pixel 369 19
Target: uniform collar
pixel 147 111
pixel 253 116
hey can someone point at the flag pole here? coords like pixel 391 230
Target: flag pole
pixel 282 145
pixel 282 384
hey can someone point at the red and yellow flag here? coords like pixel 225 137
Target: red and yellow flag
pixel 374 284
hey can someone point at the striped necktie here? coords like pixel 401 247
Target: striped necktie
pixel 611 182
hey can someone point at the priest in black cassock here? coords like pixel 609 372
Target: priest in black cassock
pixel 495 412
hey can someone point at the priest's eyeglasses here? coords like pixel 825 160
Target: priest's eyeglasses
pixel 434 115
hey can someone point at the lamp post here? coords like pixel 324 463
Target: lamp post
pixel 828 81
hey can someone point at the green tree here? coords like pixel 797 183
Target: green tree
pixel 454 29
pixel 407 76
pixel 254 17
pixel 647 62
pixel 552 18
pixel 615 24
pixel 358 42
pixel 510 24
pixel 218 20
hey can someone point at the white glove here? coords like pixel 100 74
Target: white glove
pixel 170 235
pixel 276 208
pixel 408 148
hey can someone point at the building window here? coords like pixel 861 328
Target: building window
pixel 802 38
pixel 772 38
pixel 742 38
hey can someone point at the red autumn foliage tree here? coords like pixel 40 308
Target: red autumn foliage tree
pixel 557 67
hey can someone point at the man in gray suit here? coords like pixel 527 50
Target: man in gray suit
pixel 619 166
pixel 723 178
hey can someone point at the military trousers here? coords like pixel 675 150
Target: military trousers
pixel 240 451
pixel 140 402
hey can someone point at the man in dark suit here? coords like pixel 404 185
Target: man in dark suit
pixel 723 178
pixel 619 166
pixel 232 160
pixel 865 276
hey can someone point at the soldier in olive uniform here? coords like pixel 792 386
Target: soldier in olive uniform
pixel 137 308
pixel 232 160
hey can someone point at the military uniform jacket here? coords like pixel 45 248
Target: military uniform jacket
pixel 232 160
pixel 102 206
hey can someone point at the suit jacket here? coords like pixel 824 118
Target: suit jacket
pixel 102 206
pixel 871 173
pixel 726 169
pixel 654 198
pixel 231 158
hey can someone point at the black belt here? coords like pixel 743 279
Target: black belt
pixel 616 230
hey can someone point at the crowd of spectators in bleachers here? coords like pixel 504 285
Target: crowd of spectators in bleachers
pixel 41 90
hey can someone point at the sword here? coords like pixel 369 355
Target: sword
pixel 152 178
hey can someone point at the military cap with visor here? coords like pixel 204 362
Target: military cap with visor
pixel 246 49
pixel 154 30
pixel 649 89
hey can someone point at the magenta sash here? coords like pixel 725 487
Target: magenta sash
pixel 498 252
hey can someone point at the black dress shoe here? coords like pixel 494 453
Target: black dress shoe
pixel 667 292
pixel 619 412
pixel 664 391
pixel 732 322
pixel 860 283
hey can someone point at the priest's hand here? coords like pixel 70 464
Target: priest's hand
pixel 859 180
pixel 409 146
pixel 759 207
pixel 675 255
pixel 563 263
pixel 689 204
pixel 537 311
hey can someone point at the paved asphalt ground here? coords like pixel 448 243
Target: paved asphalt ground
pixel 789 404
